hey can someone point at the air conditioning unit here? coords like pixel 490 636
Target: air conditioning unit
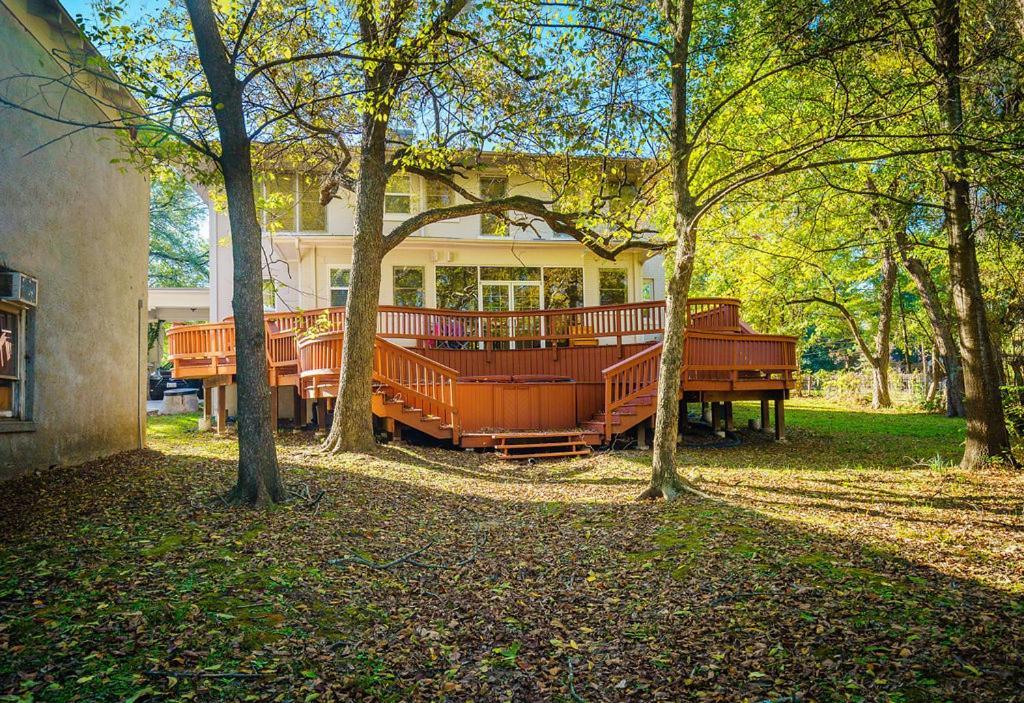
pixel 18 288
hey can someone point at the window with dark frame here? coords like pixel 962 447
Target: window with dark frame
pixel 11 369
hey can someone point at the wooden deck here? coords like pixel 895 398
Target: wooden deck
pixel 473 377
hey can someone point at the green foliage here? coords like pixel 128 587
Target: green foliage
pixel 178 255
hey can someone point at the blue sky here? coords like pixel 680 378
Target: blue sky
pixel 84 7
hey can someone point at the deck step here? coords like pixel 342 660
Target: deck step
pixel 540 445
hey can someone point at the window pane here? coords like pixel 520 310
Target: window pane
pixel 563 287
pixel 340 277
pixel 8 344
pixel 612 286
pixel 339 297
pixel 6 398
pixel 439 195
pixel 493 189
pixel 398 204
pixel 314 215
pixel 281 194
pixel 409 286
pixel 456 287
pixel 510 273
pixel 648 292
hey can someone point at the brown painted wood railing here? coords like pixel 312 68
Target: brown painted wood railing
pixel 628 379
pixel 423 383
pixel 428 326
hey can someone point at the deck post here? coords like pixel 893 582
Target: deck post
pixel 764 415
pixel 321 414
pixel 705 413
pixel 716 416
pixel 729 424
pixel 684 416
pixel 274 410
pixel 222 409
pixel 780 419
pixel 641 435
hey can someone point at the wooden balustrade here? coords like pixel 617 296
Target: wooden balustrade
pixel 422 382
pixel 207 349
pixel 628 379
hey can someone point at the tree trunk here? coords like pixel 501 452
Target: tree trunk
pixel 880 397
pixel 987 436
pixel 939 321
pixel 665 480
pixel 259 481
pixel 352 428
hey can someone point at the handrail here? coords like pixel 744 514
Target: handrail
pixel 425 384
pixel 629 378
pixel 420 378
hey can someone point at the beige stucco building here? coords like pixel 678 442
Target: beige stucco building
pixel 73 385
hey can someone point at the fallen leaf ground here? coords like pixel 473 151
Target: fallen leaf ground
pixel 833 567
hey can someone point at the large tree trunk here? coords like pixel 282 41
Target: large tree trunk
pixel 665 480
pixel 942 329
pixel 352 428
pixel 258 481
pixel 987 436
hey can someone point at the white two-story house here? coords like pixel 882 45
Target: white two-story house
pixel 470 263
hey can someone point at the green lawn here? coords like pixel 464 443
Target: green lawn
pixel 837 566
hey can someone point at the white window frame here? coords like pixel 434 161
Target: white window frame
pixel 508 231
pixel 296 207
pixel 20 388
pixel 625 276
pixel 331 287
pixel 389 215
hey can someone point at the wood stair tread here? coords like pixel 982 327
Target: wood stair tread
pixel 545 455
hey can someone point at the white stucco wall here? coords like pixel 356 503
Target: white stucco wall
pixel 79 225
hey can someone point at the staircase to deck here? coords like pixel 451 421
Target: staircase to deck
pixel 630 394
pixel 540 445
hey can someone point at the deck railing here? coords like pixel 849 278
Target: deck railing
pixel 210 347
pixel 423 383
pixel 629 379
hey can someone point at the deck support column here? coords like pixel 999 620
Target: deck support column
pixel 705 413
pixel 684 416
pixel 222 409
pixel 729 423
pixel 716 416
pixel 641 435
pixel 207 406
pixel 780 419
pixel 321 414
pixel 764 415
pixel 274 410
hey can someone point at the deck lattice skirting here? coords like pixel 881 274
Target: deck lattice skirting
pixel 470 377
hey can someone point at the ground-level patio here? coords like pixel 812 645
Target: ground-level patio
pixel 830 568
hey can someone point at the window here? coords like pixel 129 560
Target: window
pixel 438 195
pixel 12 370
pixel 269 295
pixel 279 190
pixel 293 203
pixel 612 285
pixel 493 188
pixel 456 287
pixel 312 215
pixel 409 286
pixel 647 293
pixel 563 287
pixel 339 287
pixel 510 273
pixel 398 195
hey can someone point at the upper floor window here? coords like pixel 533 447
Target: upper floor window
pixel 293 203
pixel 340 279
pixel 493 188
pixel 438 195
pixel 612 286
pixel 409 286
pixel 398 195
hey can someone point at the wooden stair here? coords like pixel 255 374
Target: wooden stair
pixel 626 417
pixel 540 445
pixel 392 405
